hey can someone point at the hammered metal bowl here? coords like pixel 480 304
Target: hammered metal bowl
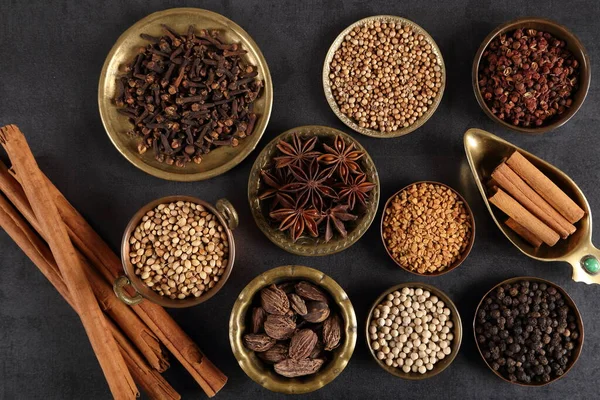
pixel 307 245
pixel 227 217
pixel 263 373
pixel 457 330
pixel 570 303
pixel 573 44
pixel 350 122
pixel 216 162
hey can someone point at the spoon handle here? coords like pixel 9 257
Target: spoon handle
pixel 586 265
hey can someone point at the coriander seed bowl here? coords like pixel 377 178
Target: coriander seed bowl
pixel 456 330
pixel 307 244
pixel 576 351
pixel 468 219
pixel 224 215
pixel 572 44
pixel 328 79
pixel 263 373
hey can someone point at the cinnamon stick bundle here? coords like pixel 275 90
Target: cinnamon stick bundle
pixel 516 211
pixel 135 329
pixel 39 253
pixel 545 187
pixel 524 233
pixel 508 180
pixel 105 347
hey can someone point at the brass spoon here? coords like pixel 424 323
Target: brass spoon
pixel 486 151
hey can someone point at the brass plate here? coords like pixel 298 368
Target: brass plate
pixel 327 83
pixel 570 303
pixel 306 245
pixel 116 125
pixel 262 373
pixel 457 330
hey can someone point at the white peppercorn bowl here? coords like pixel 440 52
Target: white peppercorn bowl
pixel 350 122
pixel 457 331
pixel 227 217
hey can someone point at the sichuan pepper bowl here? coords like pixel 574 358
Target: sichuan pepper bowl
pixel 456 330
pixel 568 301
pixel 225 214
pixel 307 245
pixel 572 44
pixel 261 372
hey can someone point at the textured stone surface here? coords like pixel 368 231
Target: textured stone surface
pixel 51 56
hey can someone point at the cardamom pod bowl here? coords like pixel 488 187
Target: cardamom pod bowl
pixel 572 43
pixel 227 217
pixel 219 160
pixel 307 245
pixel 569 301
pixel 263 373
pixel 463 256
pixel 457 331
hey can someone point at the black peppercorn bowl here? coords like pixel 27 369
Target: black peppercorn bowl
pixel 576 352
pixel 572 44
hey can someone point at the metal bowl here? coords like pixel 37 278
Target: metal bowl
pixel 570 303
pixel 227 217
pixel 457 331
pixel 263 373
pixel 307 245
pixel 350 122
pixel 573 44
pixel 464 254
pixel 216 162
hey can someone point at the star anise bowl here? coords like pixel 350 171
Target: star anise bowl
pixel 307 244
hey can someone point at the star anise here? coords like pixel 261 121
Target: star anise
pixel 357 188
pixel 309 185
pixel 335 217
pixel 296 219
pixel 296 153
pixel 342 158
pixel 276 180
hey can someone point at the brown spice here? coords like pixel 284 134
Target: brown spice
pixel 426 228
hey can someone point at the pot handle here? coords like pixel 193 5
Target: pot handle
pixel 225 207
pixel 119 289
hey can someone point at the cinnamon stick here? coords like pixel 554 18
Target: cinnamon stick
pixel 524 233
pixel 545 187
pixel 516 211
pixel 533 202
pixel 135 329
pixel 101 256
pixel 107 352
pixel 39 253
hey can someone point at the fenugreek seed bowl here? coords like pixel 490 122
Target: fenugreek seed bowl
pixel 226 216
pixel 573 44
pixel 263 373
pixel 219 160
pixel 349 121
pixel 569 302
pixel 307 245
pixel 465 252
pixel 457 331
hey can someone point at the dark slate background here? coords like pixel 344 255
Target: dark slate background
pixel 51 54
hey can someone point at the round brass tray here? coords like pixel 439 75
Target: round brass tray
pixel 305 245
pixel 327 83
pixel 116 125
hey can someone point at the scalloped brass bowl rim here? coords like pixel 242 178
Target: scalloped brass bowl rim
pixel 312 246
pixel 465 252
pixel 571 304
pixel 248 360
pixel 140 286
pixel 457 331
pixel 108 111
pixel 565 34
pixel 348 121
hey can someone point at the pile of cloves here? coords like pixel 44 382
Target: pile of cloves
pixel 188 94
